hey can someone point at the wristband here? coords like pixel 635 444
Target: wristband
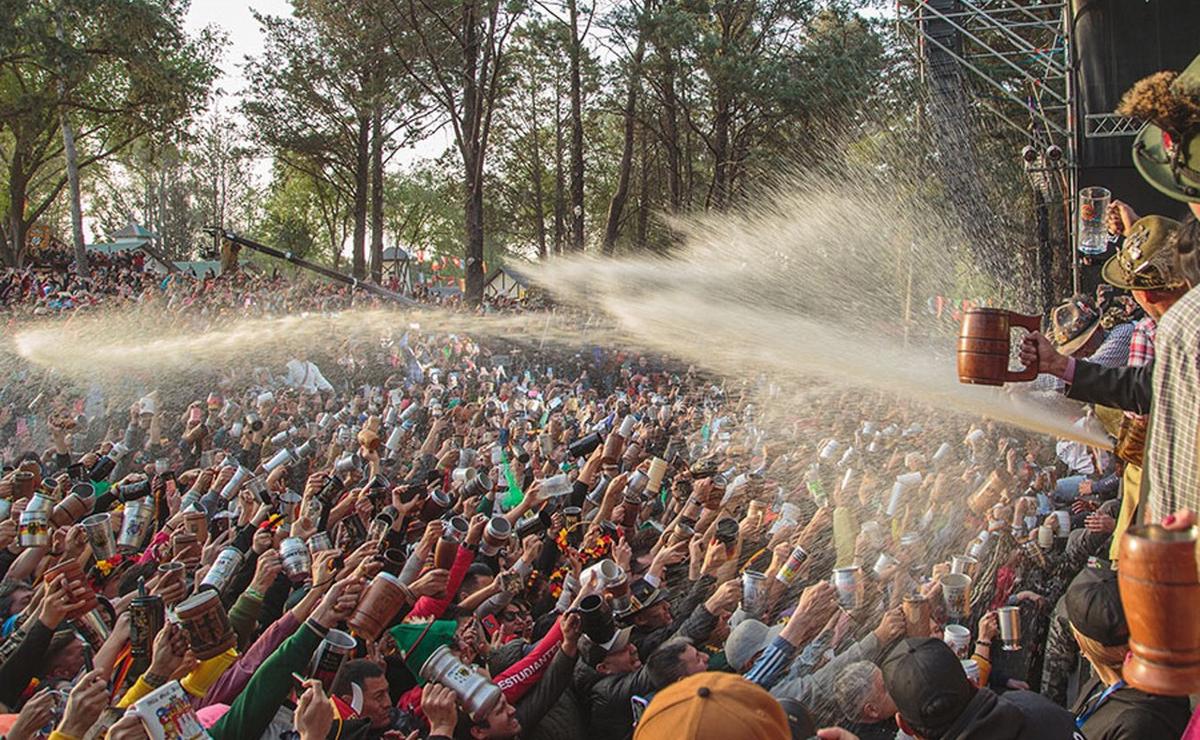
pixel 317 627
pixel 409 596
pixel 254 593
pixel 985 643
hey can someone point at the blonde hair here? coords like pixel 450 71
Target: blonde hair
pixel 1108 661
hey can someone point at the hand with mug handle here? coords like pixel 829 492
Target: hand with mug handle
pixel 1037 351
pixel 314 712
pixel 339 602
pixel 129 727
pixel 36 714
pixel 86 701
pixel 440 706
pixel 58 602
pixel 431 583
pixel 169 649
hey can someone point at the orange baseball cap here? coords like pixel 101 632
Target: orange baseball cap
pixel 713 704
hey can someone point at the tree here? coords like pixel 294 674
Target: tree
pixel 328 103
pixel 118 70
pixel 630 21
pixel 454 52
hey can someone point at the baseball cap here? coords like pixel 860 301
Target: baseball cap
pixel 926 680
pixel 642 596
pixel 1094 607
pixel 746 639
pixel 594 652
pixel 712 704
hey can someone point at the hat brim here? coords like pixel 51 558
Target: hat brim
pixel 1116 276
pixel 1151 162
pixel 1072 346
pixel 620 640
pixel 656 597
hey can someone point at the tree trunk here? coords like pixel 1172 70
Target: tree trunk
pixel 643 216
pixel 472 154
pixel 18 184
pixel 361 178
pixel 72 157
pixel 576 52
pixel 718 193
pixel 537 171
pixel 621 194
pixel 560 206
pixel 670 128
pixel 377 194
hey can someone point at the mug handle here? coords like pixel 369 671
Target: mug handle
pixel 1032 324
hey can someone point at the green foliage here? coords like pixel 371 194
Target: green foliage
pixel 121 69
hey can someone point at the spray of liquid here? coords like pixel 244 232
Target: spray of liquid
pixel 817 281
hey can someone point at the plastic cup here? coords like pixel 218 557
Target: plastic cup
pixel 958 638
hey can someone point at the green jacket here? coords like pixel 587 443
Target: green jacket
pixel 269 687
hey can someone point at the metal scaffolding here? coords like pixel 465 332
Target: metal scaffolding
pixel 1013 60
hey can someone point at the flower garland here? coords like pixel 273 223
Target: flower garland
pixel 601 549
pixel 107 566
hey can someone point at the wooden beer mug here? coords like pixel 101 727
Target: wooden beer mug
pixel 1159 580
pixel 983 346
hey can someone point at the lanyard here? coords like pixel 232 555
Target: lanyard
pixel 1082 718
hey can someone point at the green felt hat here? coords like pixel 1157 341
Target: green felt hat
pixel 1167 150
pixel 1146 260
pixel 418 640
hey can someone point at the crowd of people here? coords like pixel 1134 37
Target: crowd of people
pixel 451 538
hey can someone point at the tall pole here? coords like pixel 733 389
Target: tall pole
pixel 370 287
pixel 72 157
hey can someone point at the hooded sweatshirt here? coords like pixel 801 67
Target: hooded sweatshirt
pixel 1016 715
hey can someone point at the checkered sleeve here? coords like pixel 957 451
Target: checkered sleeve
pixel 1171 452
pixel 1141 344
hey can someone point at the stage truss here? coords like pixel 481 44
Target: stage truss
pixel 1014 60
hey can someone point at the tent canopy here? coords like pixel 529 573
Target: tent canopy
pixel 127 244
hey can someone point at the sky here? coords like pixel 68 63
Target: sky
pixel 245 38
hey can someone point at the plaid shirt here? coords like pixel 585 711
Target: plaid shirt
pixel 1141 345
pixel 1175 421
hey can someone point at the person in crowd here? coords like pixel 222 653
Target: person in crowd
pixel 935 699
pixel 1107 708
pixel 864 701
pixel 459 537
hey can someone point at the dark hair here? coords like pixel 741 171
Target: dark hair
pixel 479 569
pixel 642 541
pixel 1186 242
pixel 663 666
pixel 354 672
pixel 8 588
